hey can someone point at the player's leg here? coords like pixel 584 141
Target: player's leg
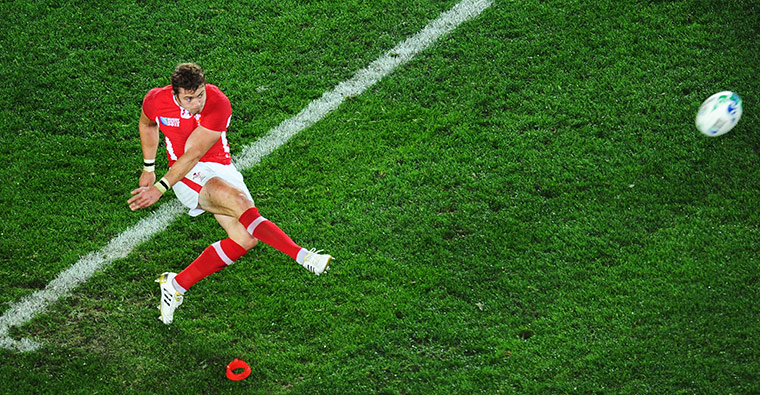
pixel 218 255
pixel 221 197
pixel 214 258
pixel 266 231
pixel 236 231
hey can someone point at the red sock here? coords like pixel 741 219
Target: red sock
pixel 213 259
pixel 264 230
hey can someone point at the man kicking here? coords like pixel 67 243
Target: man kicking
pixel 194 116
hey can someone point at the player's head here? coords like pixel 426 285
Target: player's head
pixel 189 87
pixel 187 76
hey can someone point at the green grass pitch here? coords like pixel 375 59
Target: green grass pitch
pixel 525 207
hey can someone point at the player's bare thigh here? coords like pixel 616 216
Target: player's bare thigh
pixel 220 197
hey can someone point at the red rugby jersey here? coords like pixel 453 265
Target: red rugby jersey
pixel 177 124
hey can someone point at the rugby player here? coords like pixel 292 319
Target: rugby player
pixel 193 117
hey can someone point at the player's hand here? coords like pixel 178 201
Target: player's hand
pixel 147 178
pixel 144 197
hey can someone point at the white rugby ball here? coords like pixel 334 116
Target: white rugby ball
pixel 719 113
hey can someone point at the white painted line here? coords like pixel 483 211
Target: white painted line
pixel 120 246
pixel 363 79
pixel 30 306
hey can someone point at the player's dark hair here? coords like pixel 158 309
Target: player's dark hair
pixel 187 76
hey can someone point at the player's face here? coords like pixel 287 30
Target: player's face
pixel 192 101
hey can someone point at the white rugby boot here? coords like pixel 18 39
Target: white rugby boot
pixel 170 297
pixel 317 263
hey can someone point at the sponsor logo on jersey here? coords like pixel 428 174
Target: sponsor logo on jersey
pixel 172 122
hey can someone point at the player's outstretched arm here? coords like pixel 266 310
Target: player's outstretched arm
pixel 200 141
pixel 149 143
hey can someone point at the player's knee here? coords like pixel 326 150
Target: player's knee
pixel 249 243
pixel 228 195
pixel 241 200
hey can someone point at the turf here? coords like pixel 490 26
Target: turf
pixel 526 207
